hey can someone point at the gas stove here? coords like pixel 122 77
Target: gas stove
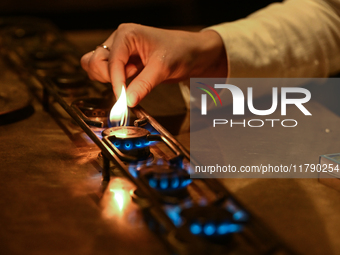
pixel 142 171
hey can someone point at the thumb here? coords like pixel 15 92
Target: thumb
pixel 142 85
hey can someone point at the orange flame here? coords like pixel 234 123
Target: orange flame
pixel 119 112
pixel 120 197
pixel 116 200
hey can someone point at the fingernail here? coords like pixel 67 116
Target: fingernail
pixel 133 99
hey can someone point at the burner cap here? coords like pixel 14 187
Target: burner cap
pixel 95 109
pixel 24 32
pixel 129 141
pixel 71 85
pixel 71 80
pixel 46 59
pixel 92 104
pixel 45 55
pixel 128 132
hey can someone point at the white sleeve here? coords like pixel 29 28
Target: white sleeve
pixel 296 38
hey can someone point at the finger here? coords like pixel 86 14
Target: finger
pixel 97 78
pixel 84 61
pixel 123 46
pixel 130 70
pixel 117 76
pixel 97 65
pixel 150 76
pixel 134 66
pixel 117 60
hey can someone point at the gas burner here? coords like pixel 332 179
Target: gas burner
pixel 130 143
pixel 45 55
pixel 170 181
pixel 24 31
pixel 74 85
pixel 15 103
pixel 46 61
pixel 212 223
pixel 94 111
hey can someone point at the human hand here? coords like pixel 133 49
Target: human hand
pixel 155 55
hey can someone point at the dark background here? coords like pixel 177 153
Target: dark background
pixel 103 14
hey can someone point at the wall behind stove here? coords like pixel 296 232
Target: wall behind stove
pixel 97 14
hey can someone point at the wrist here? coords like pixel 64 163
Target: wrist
pixel 212 59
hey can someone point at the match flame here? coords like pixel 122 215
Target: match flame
pixel 119 112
